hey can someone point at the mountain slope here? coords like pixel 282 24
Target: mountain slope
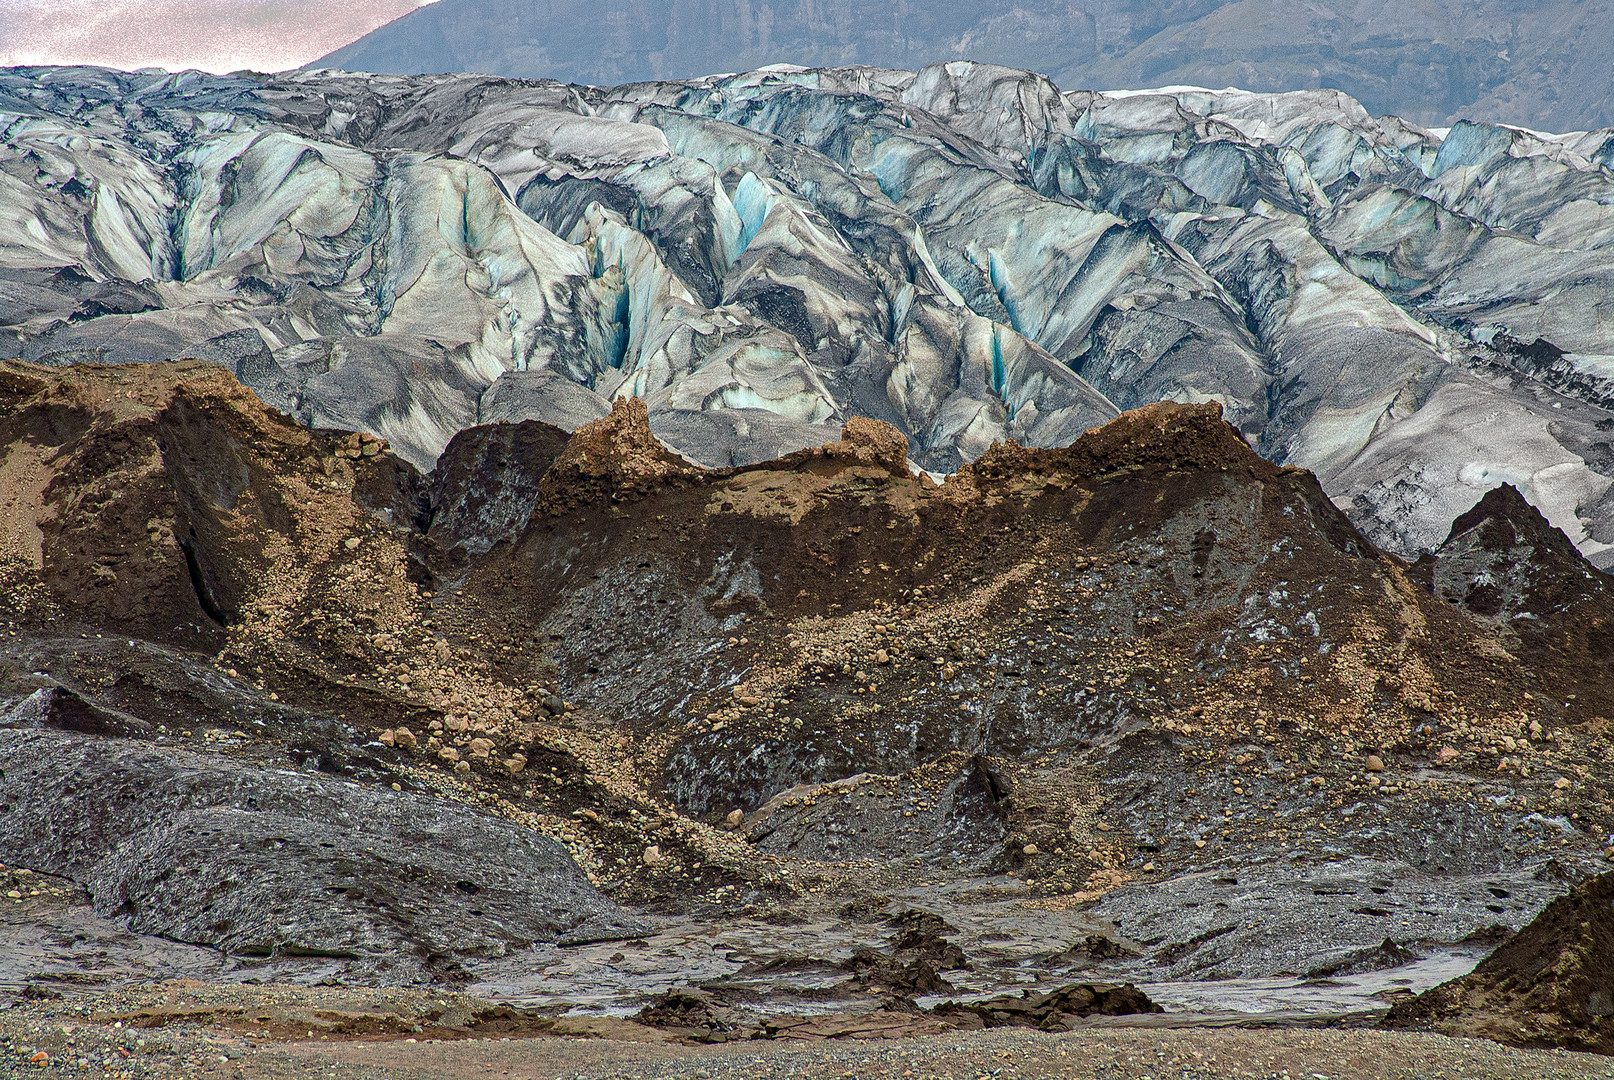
pixel 1538 65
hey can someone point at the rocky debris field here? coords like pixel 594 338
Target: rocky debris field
pixel 579 734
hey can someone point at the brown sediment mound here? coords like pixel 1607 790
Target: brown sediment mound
pixel 882 676
pixel 615 456
pixel 872 442
pixel 1551 984
pixel 1504 559
pixel 1166 434
pixel 166 496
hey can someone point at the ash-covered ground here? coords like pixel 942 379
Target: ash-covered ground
pixel 813 748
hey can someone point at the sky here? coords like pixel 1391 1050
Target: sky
pixel 213 35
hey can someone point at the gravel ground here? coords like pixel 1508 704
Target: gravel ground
pixel 1106 1055
pixel 188 1049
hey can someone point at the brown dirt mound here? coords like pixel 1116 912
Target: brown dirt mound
pixel 1551 984
pixel 872 442
pixel 614 455
pixel 1167 434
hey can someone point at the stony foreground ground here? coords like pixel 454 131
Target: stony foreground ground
pixel 186 1029
pixel 80 1045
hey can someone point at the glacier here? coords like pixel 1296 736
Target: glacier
pixel 966 251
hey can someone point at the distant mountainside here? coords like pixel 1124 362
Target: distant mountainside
pixel 1540 65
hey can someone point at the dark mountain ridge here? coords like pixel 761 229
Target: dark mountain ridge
pixel 1541 65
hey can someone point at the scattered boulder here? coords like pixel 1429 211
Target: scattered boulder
pixel 912 962
pixel 695 1015
pixel 1055 1010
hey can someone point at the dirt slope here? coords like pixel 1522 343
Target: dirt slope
pixel 1149 689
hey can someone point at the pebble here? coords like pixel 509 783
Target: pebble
pixel 735 819
pixel 653 856
pixel 1375 763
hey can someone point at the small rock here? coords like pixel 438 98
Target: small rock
pixel 448 753
pixel 653 856
pixel 1375 763
pixel 515 765
pixel 1563 783
pixel 480 748
pixel 735 819
pixel 387 738
pixel 462 766
pixel 1446 754
pixel 352 543
pixel 1031 849
pixel 882 657
pixel 1148 868
pixel 404 738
